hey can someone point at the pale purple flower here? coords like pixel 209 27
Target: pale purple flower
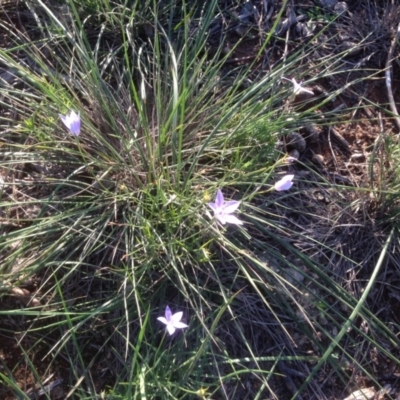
pixel 285 183
pixel 223 210
pixel 172 321
pixel 73 122
pixel 297 88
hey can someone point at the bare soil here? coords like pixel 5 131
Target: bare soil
pixel 341 153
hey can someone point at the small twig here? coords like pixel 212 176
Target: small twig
pixel 340 139
pixel 271 9
pixel 35 394
pixel 331 147
pixel 388 75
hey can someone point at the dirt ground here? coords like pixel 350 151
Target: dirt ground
pixel 340 152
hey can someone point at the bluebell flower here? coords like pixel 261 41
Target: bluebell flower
pixel 223 210
pixel 285 183
pixel 172 321
pixel 73 122
pixel 297 88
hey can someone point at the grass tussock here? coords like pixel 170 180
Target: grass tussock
pixel 101 230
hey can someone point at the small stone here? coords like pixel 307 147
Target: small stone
pixel 318 159
pixel 340 7
pixel 294 154
pixel 362 394
pixel 295 141
pixel 103 182
pixel 322 319
pixel 302 30
pixel 328 3
pixel 312 133
pixel 24 297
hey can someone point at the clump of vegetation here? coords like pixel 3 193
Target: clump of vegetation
pixel 166 231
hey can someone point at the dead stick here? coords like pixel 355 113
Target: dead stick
pixel 388 75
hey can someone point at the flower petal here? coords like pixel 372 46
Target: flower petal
pixel 163 320
pixel 213 206
pixel 73 115
pixel 72 121
pixel 64 120
pixel 290 159
pixel 168 313
pixel 297 88
pixel 308 91
pixel 180 325
pixel 285 183
pixel 231 219
pixel 221 218
pixel 171 329
pixel 176 317
pixel 75 128
pixel 219 200
pixel 231 206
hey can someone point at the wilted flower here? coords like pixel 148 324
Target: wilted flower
pixel 172 321
pixel 297 88
pixel 223 210
pixel 285 183
pixel 290 159
pixel 202 392
pixel 73 122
